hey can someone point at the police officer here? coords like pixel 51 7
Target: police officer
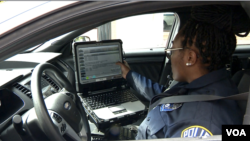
pixel 198 57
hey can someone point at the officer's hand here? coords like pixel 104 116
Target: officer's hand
pixel 124 67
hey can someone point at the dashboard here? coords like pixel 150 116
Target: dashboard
pixel 9 104
pixel 15 91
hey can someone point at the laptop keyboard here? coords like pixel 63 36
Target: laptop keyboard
pixel 110 98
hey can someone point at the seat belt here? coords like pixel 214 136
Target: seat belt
pixel 195 98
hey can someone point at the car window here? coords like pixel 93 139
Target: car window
pixel 136 32
pixel 243 40
pixel 92 34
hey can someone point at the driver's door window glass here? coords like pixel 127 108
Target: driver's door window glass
pixel 136 32
pixel 143 31
pixel 243 40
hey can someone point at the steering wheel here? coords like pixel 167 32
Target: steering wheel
pixel 61 113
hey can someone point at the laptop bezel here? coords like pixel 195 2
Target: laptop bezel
pixel 81 88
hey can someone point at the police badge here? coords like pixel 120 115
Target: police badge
pixel 170 107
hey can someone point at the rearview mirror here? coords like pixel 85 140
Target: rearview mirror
pixel 82 39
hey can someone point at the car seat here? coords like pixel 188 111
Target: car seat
pixel 242 81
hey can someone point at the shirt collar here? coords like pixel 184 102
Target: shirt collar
pixel 208 78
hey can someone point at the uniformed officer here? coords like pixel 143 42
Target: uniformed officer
pixel 198 57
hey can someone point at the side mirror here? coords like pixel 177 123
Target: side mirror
pixel 82 39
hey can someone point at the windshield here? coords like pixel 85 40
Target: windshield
pixel 14 13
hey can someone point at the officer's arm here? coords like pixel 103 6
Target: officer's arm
pixel 139 83
pixel 143 86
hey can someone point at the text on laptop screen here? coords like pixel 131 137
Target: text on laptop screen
pixel 97 63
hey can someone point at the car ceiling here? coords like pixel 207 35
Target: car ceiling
pixel 84 15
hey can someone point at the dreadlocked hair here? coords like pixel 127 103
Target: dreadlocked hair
pixel 212 29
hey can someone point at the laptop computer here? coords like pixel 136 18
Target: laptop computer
pixel 103 91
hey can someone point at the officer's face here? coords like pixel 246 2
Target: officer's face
pixel 177 61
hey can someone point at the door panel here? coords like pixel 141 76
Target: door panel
pixel 149 70
pixel 148 64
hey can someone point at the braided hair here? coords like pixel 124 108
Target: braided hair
pixel 212 29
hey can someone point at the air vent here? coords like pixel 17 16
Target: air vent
pixel 51 82
pixel 23 89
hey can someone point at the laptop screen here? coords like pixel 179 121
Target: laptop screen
pixel 96 62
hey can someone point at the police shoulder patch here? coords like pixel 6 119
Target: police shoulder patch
pixel 195 131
